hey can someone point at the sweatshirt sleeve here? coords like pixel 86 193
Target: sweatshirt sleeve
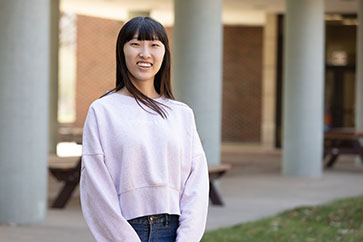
pixel 195 197
pixel 99 199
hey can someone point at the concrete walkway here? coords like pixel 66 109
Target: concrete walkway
pixel 253 189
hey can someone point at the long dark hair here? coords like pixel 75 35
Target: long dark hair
pixel 146 29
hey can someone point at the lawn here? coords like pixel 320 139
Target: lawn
pixel 340 220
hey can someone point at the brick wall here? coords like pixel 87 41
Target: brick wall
pixel 96 41
pixel 242 73
pixel 242 84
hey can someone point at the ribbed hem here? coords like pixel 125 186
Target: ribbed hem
pixel 149 201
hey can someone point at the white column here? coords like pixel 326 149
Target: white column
pixel 359 68
pixel 53 88
pixel 269 82
pixel 303 88
pixel 197 67
pixel 24 85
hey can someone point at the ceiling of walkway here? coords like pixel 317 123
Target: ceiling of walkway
pixel 234 11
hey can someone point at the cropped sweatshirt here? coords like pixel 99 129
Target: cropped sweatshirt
pixel 135 163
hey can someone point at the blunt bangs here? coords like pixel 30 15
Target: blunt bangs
pixel 145 29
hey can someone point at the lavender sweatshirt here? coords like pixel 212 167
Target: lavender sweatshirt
pixel 135 163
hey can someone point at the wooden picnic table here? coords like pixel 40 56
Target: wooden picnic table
pixel 68 172
pixel 340 141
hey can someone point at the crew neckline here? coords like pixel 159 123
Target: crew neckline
pixel 133 99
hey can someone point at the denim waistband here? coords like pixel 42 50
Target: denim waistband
pixel 157 218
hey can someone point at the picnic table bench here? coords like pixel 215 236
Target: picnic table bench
pixel 66 170
pixel 215 172
pixel 68 173
pixel 340 141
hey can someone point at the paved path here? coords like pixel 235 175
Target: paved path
pixel 253 189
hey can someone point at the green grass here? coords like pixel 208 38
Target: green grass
pixel 340 220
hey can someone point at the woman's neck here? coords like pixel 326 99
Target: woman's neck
pixel 146 90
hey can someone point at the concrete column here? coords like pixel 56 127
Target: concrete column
pixel 269 82
pixel 138 13
pixel 197 67
pixel 359 77
pixel 303 88
pixel 359 68
pixel 24 85
pixel 53 88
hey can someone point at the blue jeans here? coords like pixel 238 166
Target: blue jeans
pixel 156 228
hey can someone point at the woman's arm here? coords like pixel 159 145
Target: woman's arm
pixel 195 197
pixel 99 199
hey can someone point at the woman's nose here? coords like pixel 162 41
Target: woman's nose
pixel 144 52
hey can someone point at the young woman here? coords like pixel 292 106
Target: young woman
pixel 144 173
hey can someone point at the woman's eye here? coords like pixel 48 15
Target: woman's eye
pixel 155 45
pixel 135 44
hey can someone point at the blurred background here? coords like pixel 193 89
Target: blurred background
pixel 88 32
pixel 276 87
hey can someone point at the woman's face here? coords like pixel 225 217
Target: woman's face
pixel 143 58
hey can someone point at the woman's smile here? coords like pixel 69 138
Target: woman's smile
pixel 144 65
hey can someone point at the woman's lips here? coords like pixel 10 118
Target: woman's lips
pixel 144 64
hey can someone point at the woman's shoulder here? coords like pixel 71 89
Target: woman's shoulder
pixel 102 101
pixel 111 102
pixel 182 109
pixel 180 105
